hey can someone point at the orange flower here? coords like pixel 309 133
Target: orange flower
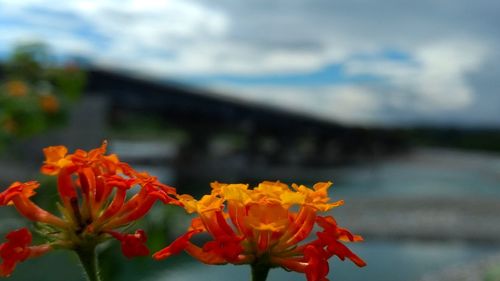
pixel 93 190
pixel 18 194
pixel 9 125
pixel 49 103
pixel 264 226
pixel 17 88
pixel 17 249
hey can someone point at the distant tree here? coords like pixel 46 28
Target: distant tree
pixel 36 92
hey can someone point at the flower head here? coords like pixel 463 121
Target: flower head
pixel 97 197
pixel 266 225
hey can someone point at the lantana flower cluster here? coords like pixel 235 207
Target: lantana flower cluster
pixel 93 205
pixel 265 227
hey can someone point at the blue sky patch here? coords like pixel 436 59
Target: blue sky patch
pixel 331 74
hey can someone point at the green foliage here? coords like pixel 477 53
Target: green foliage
pixel 35 93
pixel 492 273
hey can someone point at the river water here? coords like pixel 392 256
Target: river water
pixel 424 173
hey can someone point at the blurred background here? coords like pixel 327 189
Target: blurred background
pixel 396 102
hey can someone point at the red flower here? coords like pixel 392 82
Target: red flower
pixel 317 263
pixel 331 238
pixel 17 249
pixel 132 244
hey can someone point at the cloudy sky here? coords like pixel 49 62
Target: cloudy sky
pixel 394 63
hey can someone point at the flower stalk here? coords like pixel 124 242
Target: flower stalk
pixel 259 272
pixel 88 259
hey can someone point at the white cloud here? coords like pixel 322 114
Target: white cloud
pixel 348 104
pixel 131 30
pixel 436 74
pixel 429 83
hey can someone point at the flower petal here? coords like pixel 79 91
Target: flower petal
pixel 132 244
pixel 175 247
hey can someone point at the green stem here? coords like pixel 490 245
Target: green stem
pixel 259 272
pixel 88 258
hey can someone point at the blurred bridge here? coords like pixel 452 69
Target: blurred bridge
pixel 268 134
